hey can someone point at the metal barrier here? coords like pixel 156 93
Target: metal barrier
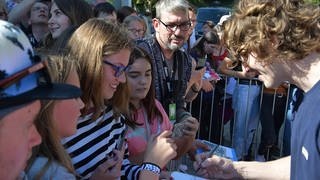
pixel 219 109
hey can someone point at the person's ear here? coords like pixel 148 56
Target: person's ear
pixel 156 24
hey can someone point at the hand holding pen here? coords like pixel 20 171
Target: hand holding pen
pixel 210 153
pixel 214 167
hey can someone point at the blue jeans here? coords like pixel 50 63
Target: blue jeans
pixel 245 104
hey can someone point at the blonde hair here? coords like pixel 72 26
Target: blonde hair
pixel 59 68
pixel 273 29
pixel 88 44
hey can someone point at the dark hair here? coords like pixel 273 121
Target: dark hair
pixel 78 11
pixel 103 7
pixel 211 37
pixel 209 23
pixel 149 101
pixel 123 12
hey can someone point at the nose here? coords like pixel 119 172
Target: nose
pixel 34 138
pixel 50 21
pixel 143 80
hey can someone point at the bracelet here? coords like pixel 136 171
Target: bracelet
pixel 151 167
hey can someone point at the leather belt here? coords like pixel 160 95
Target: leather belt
pixel 281 91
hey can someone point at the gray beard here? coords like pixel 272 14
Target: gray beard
pixel 173 47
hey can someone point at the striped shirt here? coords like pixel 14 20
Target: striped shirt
pixel 96 139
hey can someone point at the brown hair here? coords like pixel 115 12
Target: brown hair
pixel 51 147
pixel 282 29
pixel 88 44
pixel 78 11
pixel 149 101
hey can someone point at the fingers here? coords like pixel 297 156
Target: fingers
pixel 201 157
pixel 190 126
pixel 109 163
pixel 201 145
pixel 165 134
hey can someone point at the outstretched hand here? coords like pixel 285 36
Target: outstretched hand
pixel 215 167
pixel 161 149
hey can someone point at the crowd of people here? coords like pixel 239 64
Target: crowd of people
pixel 93 92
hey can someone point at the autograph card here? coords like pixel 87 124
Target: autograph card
pixel 182 176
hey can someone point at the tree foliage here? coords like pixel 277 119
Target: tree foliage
pixel 147 6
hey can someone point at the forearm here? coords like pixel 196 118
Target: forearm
pixel 278 169
pixel 148 175
pixel 192 92
pixel 20 11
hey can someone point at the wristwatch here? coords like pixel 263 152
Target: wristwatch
pixel 151 167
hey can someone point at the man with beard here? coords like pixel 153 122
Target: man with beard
pixel 32 17
pixel 172 68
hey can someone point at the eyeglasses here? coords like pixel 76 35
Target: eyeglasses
pixel 139 31
pixel 173 27
pixel 119 70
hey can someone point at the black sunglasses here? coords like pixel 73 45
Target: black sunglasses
pixel 119 70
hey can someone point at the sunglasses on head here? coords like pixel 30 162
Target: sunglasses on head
pixel 118 70
pixel 25 80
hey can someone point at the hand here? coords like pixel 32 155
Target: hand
pixel 247 72
pixel 196 75
pixel 207 86
pixel 165 175
pixel 197 144
pixel 191 126
pixel 110 169
pixel 215 167
pixel 161 149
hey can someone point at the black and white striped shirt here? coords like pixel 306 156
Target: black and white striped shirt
pixel 96 139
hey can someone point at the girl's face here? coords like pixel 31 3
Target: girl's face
pixel 66 112
pixel 58 21
pixel 113 71
pixel 139 79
